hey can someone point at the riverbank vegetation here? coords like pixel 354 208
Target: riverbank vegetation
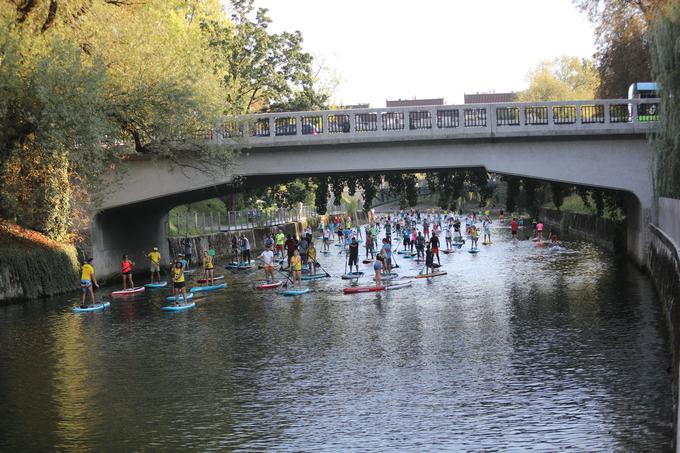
pixel 39 265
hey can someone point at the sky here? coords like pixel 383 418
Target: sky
pixel 401 49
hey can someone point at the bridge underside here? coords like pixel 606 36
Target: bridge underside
pixel 133 220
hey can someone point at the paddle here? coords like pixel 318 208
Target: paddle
pixel 316 262
pixel 288 279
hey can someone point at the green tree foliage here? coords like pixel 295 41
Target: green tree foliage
pixel 562 79
pixel 84 82
pixel 321 196
pixel 369 187
pixel 264 70
pixel 666 58
pixel 559 192
pixel 621 33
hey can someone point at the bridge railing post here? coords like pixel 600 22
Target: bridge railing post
pixel 551 115
pixel 491 118
pixel 579 112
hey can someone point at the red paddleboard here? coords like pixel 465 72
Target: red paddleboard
pixel 128 292
pixel 205 280
pixel 270 285
pixel 362 289
pixel 435 274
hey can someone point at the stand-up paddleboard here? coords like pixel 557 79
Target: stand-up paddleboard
pixel 458 244
pixel 295 292
pixel 535 239
pixel 407 257
pixel 245 267
pixel 539 244
pixel 388 277
pixel 486 243
pixel 95 307
pixel 179 307
pixel 314 277
pixel 367 261
pixel 403 252
pixel 434 274
pixel 128 292
pixel 339 245
pixel 190 295
pixel 272 285
pixel 202 289
pixel 398 286
pixel 205 280
pixel 352 275
pixel 447 251
pixel 362 289
pixel 156 285
pixel 473 251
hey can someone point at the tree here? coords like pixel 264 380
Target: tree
pixel 562 79
pixel 512 193
pixel 621 34
pixel 666 59
pixel 264 70
pixel 559 192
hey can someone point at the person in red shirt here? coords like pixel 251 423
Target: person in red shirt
pixel 513 228
pixel 126 270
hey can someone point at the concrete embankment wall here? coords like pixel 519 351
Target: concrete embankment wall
pixel 610 234
pixel 663 264
pixel 30 273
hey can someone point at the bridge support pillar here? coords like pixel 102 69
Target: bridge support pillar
pixel 638 217
pixel 131 231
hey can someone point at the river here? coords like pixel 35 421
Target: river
pixel 516 347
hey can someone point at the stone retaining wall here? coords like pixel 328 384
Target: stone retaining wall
pixel 611 234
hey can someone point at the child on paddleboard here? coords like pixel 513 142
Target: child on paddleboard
pixel 178 282
pixel 87 279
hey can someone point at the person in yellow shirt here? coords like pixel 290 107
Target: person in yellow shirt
pixel 178 281
pixel 296 268
pixel 311 257
pixel 208 268
pixel 87 279
pixel 155 259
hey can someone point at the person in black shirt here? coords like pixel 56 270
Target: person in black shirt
pixel 353 255
pixel 429 261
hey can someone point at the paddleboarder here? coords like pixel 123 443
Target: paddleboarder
pixel 353 255
pixel 178 282
pixel 126 270
pixel 434 245
pixel 296 268
pixel 267 257
pixel 155 264
pixel 245 249
pixel 291 247
pixel 474 237
pixel 311 257
pixel 387 249
pixel 87 279
pixel 326 239
pixel 429 261
pixel 370 245
pixel 420 245
pixel 208 268
pixel 280 240
pixel 486 226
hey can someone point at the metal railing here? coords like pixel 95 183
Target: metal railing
pixel 622 115
pixel 193 223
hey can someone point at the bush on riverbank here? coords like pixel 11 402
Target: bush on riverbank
pixel 32 265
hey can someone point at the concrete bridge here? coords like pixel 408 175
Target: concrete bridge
pixel 601 143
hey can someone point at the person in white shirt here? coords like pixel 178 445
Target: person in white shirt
pixel 267 258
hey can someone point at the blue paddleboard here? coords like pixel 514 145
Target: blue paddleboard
pixel 156 285
pixel 295 292
pixel 473 251
pixel 95 307
pixel 352 275
pixel 198 289
pixel 189 296
pixel 179 307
